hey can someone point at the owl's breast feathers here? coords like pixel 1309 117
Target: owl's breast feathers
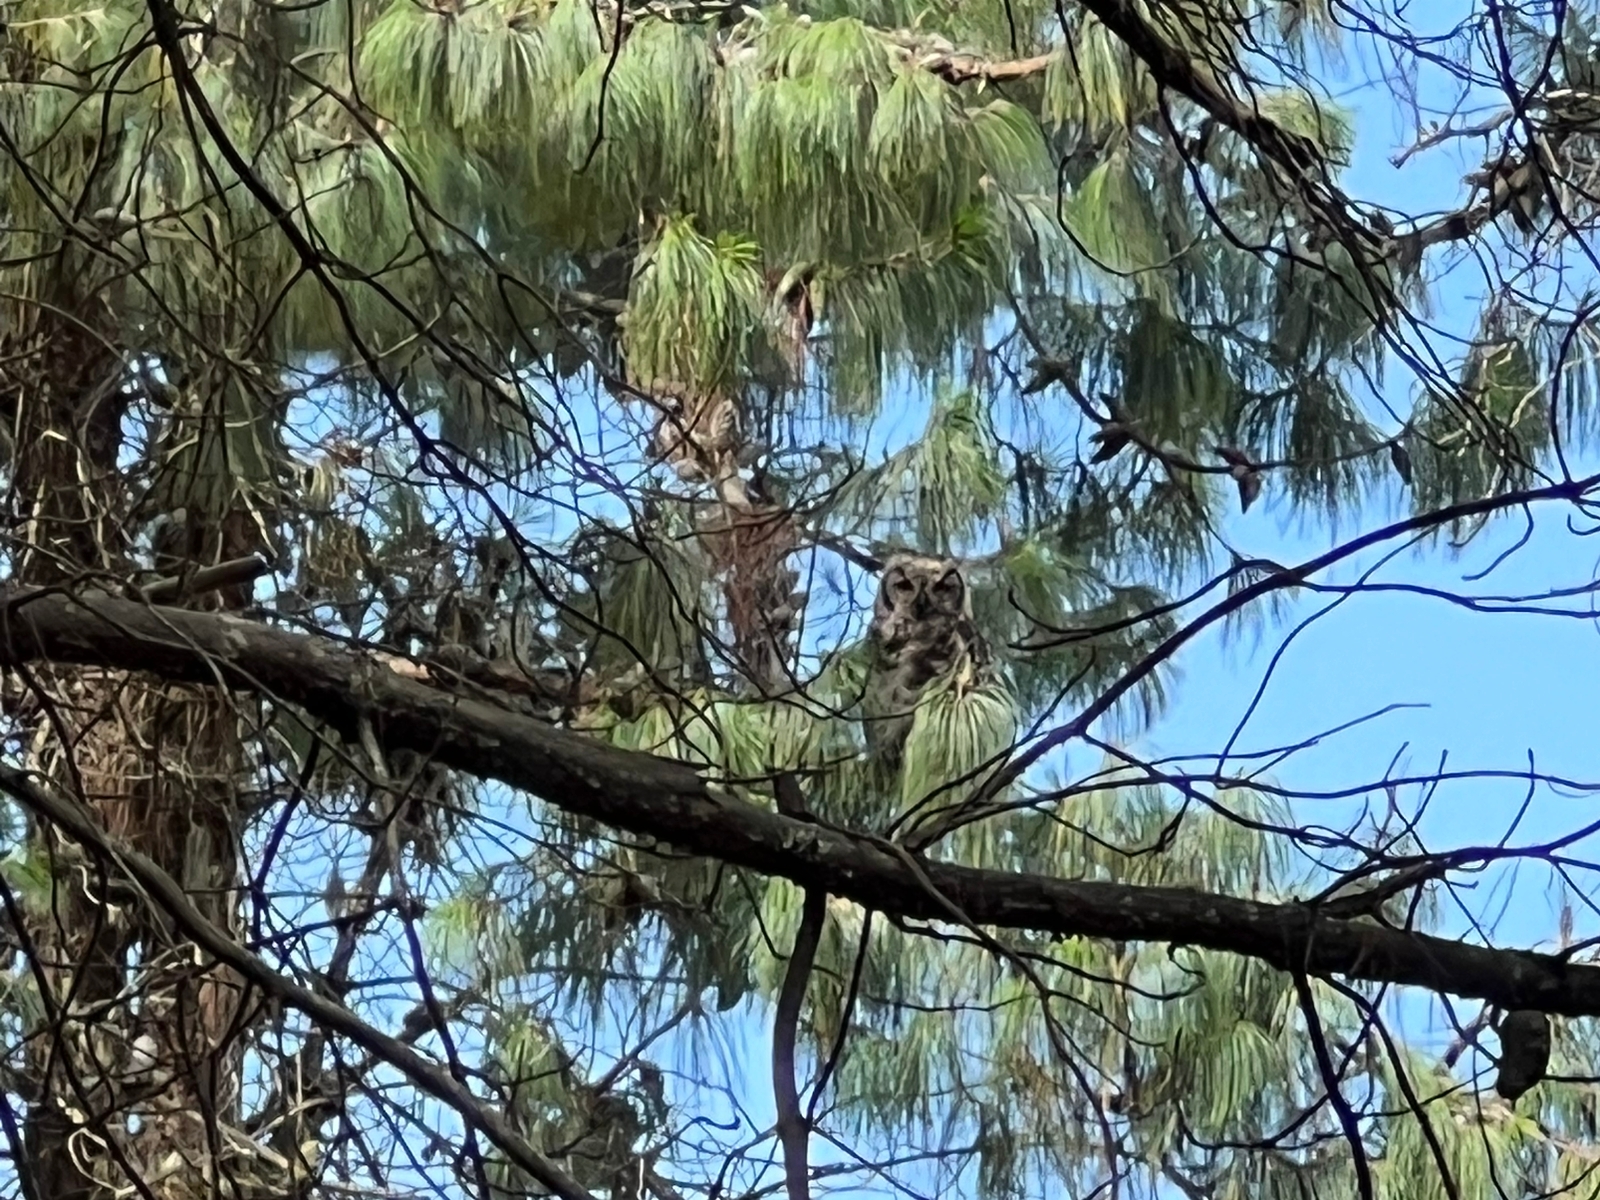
pixel 931 653
pixel 973 642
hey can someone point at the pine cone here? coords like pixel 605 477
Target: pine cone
pixel 1524 1051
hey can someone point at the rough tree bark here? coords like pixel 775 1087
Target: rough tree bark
pixel 61 403
pixel 137 1052
pixel 673 803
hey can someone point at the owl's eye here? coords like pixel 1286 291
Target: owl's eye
pixel 904 585
pixel 950 583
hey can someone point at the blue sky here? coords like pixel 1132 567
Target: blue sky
pixel 1488 690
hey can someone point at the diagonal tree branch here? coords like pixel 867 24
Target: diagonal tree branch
pixel 77 820
pixel 675 804
pixel 1297 156
pixel 1178 72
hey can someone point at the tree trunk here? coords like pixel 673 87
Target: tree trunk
pixel 135 1058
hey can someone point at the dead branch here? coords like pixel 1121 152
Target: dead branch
pixel 677 805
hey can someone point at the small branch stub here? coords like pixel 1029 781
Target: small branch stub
pixel 1524 1051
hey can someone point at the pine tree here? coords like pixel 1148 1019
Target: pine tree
pixel 554 351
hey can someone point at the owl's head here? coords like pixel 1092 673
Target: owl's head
pixel 921 587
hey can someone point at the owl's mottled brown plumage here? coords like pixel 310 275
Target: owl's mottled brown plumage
pixel 921 630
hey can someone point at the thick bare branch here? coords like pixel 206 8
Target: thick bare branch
pixel 1175 70
pixel 1296 156
pixel 673 803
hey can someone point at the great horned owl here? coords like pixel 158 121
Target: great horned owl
pixel 921 631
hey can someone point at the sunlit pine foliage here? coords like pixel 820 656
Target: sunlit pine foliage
pixel 540 224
